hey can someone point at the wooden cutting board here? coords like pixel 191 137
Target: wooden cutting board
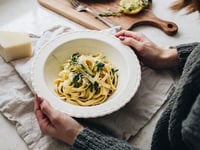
pixel 146 17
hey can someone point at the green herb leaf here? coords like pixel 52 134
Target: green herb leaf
pixel 74 58
pixel 108 14
pixel 96 86
pixel 90 85
pixel 114 70
pixel 99 66
pixel 75 80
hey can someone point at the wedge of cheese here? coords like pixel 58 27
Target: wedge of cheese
pixel 14 45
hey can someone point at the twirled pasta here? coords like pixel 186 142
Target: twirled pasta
pixel 86 80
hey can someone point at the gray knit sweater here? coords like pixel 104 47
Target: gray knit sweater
pixel 179 125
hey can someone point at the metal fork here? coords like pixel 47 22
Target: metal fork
pixel 80 7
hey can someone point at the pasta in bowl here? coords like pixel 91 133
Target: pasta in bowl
pixel 86 73
pixel 86 80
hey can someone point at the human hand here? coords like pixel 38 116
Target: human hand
pixel 147 51
pixel 55 123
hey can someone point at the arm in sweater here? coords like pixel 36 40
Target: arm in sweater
pixel 191 128
pixel 184 51
pixel 93 140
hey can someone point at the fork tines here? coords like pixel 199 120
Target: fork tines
pixel 75 3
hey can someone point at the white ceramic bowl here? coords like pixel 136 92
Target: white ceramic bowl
pixel 50 57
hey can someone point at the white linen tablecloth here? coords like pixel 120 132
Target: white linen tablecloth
pixel 16 99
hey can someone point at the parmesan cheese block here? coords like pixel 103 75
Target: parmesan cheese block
pixel 14 45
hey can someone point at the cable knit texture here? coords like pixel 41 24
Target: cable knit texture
pixel 95 140
pixel 178 127
pixel 178 121
pixel 184 51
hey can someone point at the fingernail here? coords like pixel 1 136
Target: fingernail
pixel 121 38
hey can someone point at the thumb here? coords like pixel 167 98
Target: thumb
pixel 48 110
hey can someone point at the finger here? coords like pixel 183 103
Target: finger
pixel 127 33
pixel 129 42
pixel 135 35
pixel 49 111
pixel 37 110
pixel 43 120
pixel 123 33
pixel 37 102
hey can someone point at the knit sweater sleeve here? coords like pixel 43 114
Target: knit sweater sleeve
pixel 191 128
pixel 184 51
pixel 92 140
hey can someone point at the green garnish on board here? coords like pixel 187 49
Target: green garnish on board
pixel 108 14
pixel 129 7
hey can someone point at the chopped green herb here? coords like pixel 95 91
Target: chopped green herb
pixel 99 66
pixel 96 86
pixel 74 58
pixel 143 5
pixel 75 80
pixel 114 70
pixel 108 14
pixel 90 85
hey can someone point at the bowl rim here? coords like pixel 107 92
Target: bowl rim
pixel 81 112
